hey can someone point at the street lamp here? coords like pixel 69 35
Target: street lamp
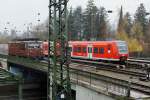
pixel 109 11
pixel 38 20
pixel 38 17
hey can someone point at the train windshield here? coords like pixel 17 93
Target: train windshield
pixel 122 46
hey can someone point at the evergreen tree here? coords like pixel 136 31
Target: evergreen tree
pixel 127 23
pixel 102 24
pixel 71 25
pixel 77 14
pixel 140 17
pixel 90 20
pixel 148 33
pixel 120 28
pixel 97 25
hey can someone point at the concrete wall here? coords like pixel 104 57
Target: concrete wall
pixel 3 63
pixel 87 94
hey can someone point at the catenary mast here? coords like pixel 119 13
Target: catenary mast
pixel 58 80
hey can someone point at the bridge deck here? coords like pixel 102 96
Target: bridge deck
pixel 42 66
pixel 82 71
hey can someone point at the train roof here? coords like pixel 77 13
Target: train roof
pixel 25 42
pixel 26 39
pixel 95 42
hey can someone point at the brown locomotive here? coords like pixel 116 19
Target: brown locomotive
pixel 26 48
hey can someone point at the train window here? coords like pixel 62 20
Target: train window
pixel 74 49
pixel 79 49
pixel 84 49
pixel 89 50
pixel 101 50
pixel 95 50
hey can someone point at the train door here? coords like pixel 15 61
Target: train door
pixel 109 51
pixel 90 51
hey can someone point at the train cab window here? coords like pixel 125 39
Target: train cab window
pixel 95 50
pixel 101 50
pixel 84 49
pixel 89 50
pixel 122 46
pixel 33 45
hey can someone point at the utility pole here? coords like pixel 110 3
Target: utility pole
pixel 58 82
pixel 38 25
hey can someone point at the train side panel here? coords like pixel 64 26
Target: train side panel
pixel 17 49
pixel 104 51
pixel 100 50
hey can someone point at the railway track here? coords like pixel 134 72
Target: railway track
pixel 110 67
pixel 140 64
pixel 143 61
pixel 140 58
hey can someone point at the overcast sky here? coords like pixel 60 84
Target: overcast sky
pixel 20 12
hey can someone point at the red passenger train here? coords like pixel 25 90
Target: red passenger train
pixel 93 50
pixel 99 50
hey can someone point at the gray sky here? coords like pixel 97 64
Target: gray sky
pixel 20 12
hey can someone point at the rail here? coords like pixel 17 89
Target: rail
pixel 111 67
